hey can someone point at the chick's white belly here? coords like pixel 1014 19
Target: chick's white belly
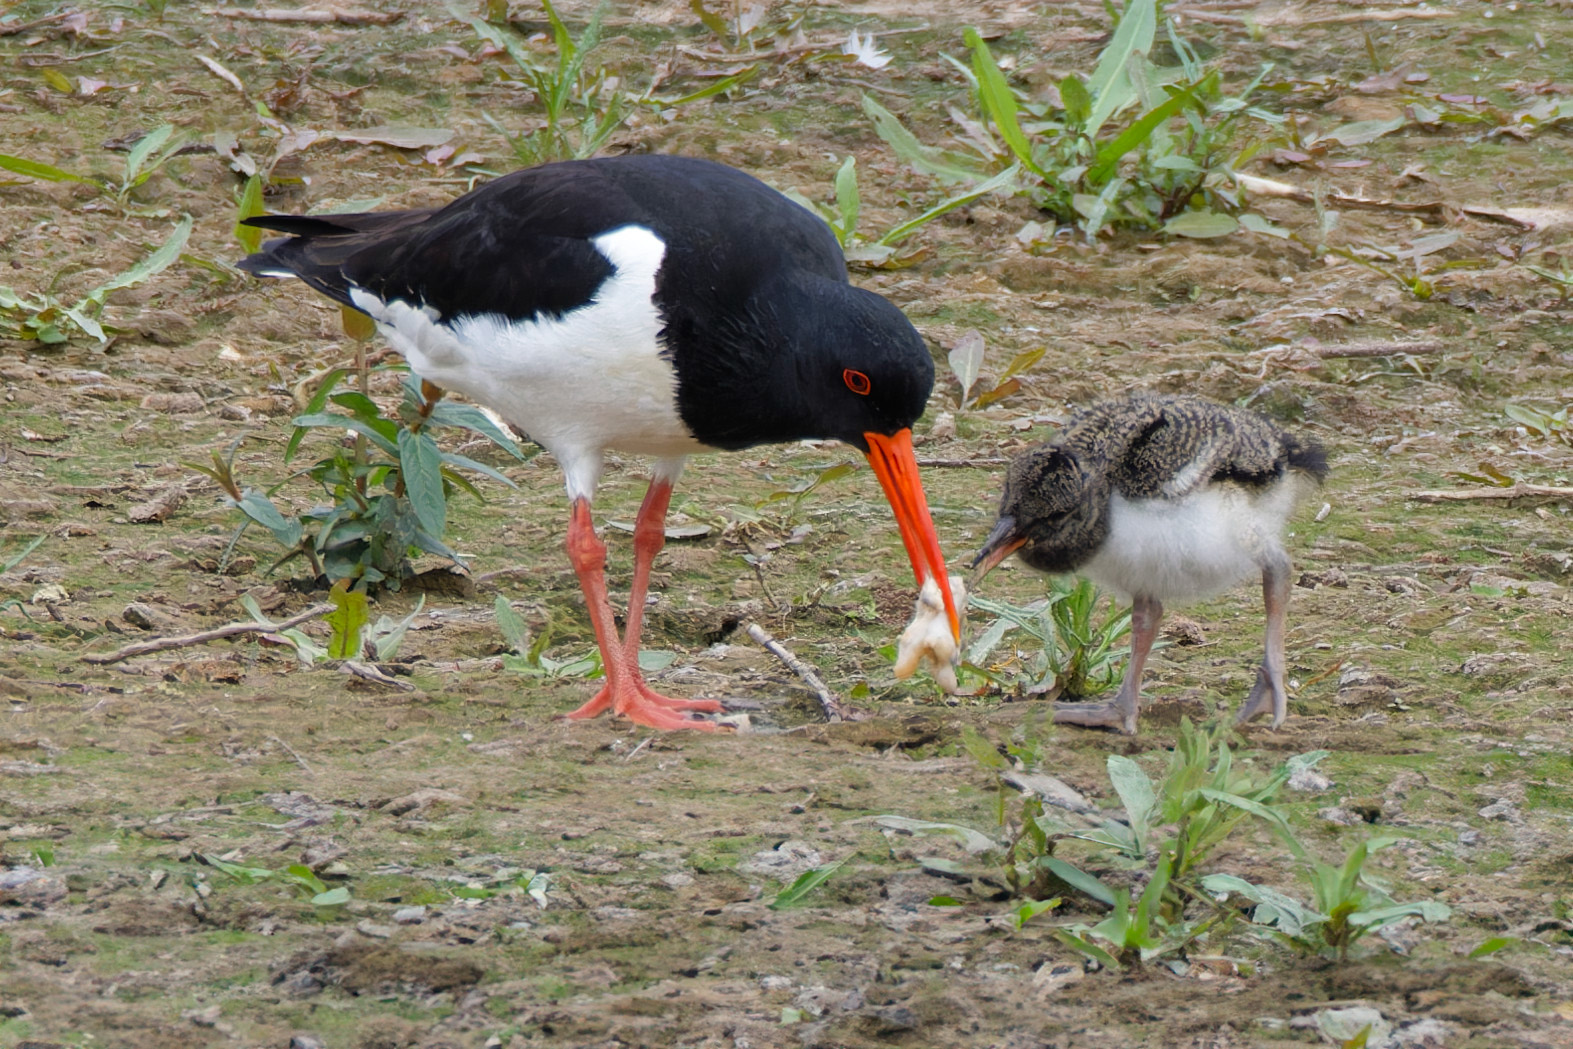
pixel 1185 549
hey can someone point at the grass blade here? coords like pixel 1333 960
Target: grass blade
pixel 806 883
pixel 906 229
pixel 999 101
pixel 905 144
pixel 47 172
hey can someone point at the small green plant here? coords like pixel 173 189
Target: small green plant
pixel 583 106
pixel 296 876
pixel 527 655
pixel 966 364
pixel 1347 904
pixel 1407 266
pixel 1551 425
pixel 804 884
pixel 143 160
pixel 389 491
pixel 1083 157
pixel 1075 653
pixel 884 250
pixel 8 563
pixel 41 317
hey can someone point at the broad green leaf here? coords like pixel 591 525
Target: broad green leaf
pixel 243 874
pixel 167 252
pixel 447 413
pixel 1201 224
pixel 514 629
pixel 1254 223
pixel 1135 791
pixel 1023 913
pixel 1110 85
pixel 1363 131
pixel 1078 879
pixel 998 182
pixel 250 237
pixel 357 325
pixel 1110 153
pixel 348 621
pixel 806 883
pixel 970 839
pixel 651 660
pixel 982 751
pixel 999 101
pixel 333 420
pixel 927 159
pixel 1090 949
pixel 848 203
pixel 144 148
pixel 1493 945
pixel 387 634
pixel 57 80
pixel 712 21
pixel 258 507
pixel 1076 100
pixel 332 897
pixel 47 172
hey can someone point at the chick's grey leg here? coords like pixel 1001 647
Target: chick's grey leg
pixel 1270 675
pixel 1120 712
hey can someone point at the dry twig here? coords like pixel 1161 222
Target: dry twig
pixel 834 706
pixel 1516 491
pixel 142 648
pixel 311 15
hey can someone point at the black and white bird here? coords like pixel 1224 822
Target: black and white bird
pixel 656 305
pixel 1166 499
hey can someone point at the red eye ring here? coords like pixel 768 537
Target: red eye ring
pixel 857 382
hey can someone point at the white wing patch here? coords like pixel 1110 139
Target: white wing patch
pixel 579 384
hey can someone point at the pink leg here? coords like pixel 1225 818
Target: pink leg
pixel 1121 711
pixel 625 692
pixel 1269 688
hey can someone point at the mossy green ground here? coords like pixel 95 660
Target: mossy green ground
pixel 1426 644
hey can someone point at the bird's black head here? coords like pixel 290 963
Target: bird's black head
pixel 1054 512
pixel 808 357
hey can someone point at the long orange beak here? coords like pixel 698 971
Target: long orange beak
pixel 896 466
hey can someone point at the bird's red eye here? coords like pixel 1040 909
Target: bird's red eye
pixel 857 382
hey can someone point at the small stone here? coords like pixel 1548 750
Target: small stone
pixel 775 983
pixel 375 931
pixel 184 403
pixel 410 915
pixel 49 594
pixel 144 616
pixel 1338 816
pixel 1469 837
pixel 159 508
pixel 203 1017
pixel 944 427
pixel 677 880
pixel 306 1041
pixel 1500 810
pixel 1309 780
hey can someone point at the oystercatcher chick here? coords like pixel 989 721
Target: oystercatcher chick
pixel 655 305
pixel 1166 499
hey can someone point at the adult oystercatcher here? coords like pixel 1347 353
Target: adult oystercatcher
pixel 657 305
pixel 1166 499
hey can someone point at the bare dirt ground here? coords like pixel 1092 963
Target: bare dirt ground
pixel 1427 644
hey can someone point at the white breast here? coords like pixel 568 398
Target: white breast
pixel 589 380
pixel 1185 549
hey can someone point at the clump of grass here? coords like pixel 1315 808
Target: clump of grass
pixel 1075 653
pixel 1130 144
pixel 42 317
pixel 143 160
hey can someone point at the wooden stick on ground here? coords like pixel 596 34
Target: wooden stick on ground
pixel 834 706
pixel 142 648
pixel 311 16
pixel 1517 491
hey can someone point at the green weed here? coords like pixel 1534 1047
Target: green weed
pixel 1075 653
pixel 143 160
pixel 41 317
pixel 296 876
pixel 389 493
pixel 1104 152
pixel 584 106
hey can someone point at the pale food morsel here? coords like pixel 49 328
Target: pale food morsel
pixel 928 642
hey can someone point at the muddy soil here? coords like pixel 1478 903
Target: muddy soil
pixel 1427 641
